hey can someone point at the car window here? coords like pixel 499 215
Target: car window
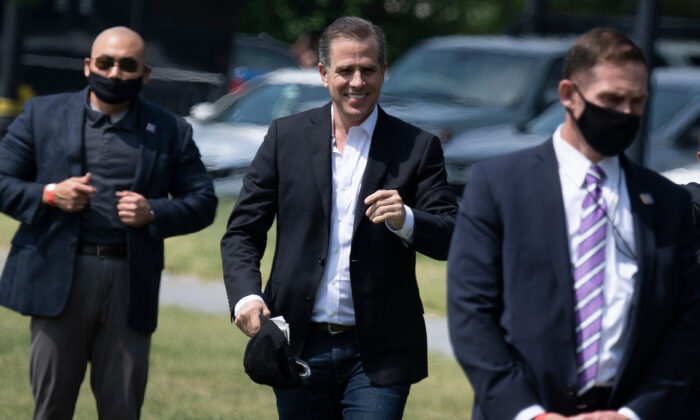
pixel 267 102
pixel 666 102
pixel 480 77
pixel 550 93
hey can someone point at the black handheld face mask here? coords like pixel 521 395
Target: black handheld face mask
pixel 114 91
pixel 607 131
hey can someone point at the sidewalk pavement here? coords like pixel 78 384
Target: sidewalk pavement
pixel 191 293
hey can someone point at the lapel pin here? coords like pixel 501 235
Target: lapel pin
pixel 646 198
pixel 151 128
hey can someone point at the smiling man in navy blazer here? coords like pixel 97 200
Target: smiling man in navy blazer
pixel 97 178
pixel 572 285
pixel 356 193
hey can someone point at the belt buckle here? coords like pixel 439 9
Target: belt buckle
pixel 98 251
pixel 330 330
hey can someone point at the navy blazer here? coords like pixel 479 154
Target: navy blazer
pixel 291 179
pixel 510 293
pixel 44 144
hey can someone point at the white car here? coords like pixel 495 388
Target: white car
pixel 229 131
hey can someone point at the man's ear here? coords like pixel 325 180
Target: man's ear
pixel 146 74
pixel 324 74
pixel 566 93
pixel 86 67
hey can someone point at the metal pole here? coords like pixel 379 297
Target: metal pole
pixel 533 13
pixel 646 25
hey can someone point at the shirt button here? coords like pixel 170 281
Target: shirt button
pixel 335 250
pixel 330 314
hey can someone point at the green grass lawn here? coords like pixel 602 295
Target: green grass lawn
pixel 197 373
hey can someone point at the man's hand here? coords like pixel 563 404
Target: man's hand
pixel 248 318
pixel 133 209
pixel 71 195
pixel 599 415
pixel 386 205
pixel 555 416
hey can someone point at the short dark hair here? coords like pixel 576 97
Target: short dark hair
pixel 597 46
pixel 351 27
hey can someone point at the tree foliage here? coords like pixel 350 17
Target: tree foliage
pixel 403 21
pixel 407 21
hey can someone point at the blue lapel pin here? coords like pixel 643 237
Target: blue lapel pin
pixel 151 128
pixel 646 198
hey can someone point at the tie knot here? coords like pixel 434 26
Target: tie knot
pixel 594 175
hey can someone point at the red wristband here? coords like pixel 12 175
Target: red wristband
pixel 49 194
pixel 541 416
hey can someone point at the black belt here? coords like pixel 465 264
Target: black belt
pixel 332 329
pixel 102 250
pixel 596 398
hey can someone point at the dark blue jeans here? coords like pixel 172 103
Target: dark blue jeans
pixel 338 387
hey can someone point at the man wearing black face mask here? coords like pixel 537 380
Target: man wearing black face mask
pixel 98 179
pixel 572 280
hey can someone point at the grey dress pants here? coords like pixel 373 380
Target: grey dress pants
pixel 92 328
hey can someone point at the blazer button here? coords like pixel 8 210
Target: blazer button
pixel 322 260
pixel 571 390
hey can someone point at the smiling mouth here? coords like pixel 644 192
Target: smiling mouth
pixel 356 96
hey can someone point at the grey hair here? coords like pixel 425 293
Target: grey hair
pixel 355 28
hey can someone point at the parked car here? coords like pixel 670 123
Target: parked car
pixel 253 55
pixel 448 85
pixel 229 131
pixel 674 129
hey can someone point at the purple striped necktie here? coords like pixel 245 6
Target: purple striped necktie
pixel 589 273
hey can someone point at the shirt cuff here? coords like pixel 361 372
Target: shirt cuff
pixel 530 412
pixel 627 412
pixel 243 301
pixel 406 232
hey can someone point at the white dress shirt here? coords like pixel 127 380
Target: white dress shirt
pixel 333 302
pixel 620 264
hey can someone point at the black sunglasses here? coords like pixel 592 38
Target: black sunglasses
pixel 105 62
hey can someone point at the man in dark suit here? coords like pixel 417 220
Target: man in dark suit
pixel 98 179
pixel 356 193
pixel 572 289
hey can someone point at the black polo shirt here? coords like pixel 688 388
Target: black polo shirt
pixel 111 151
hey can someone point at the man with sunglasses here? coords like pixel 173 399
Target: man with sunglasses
pixel 572 283
pixel 97 178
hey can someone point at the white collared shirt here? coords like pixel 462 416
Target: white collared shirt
pixel 620 264
pixel 333 302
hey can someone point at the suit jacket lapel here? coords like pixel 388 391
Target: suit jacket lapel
pixel 74 116
pixel 384 146
pixel 643 219
pixel 319 135
pixel 148 133
pixel 546 174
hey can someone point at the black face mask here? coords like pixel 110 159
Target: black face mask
pixel 114 91
pixel 607 131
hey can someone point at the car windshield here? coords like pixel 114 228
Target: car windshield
pixel 263 104
pixel 478 77
pixel 666 101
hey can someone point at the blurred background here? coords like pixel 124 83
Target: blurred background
pixel 457 68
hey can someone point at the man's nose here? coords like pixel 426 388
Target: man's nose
pixel 356 80
pixel 114 71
